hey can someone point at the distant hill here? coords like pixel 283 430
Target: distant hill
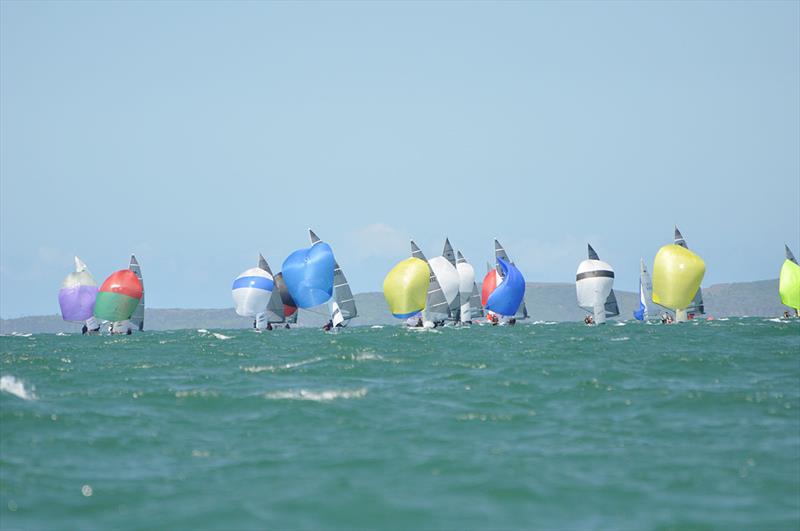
pixel 545 301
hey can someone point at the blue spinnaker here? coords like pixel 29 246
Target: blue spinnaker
pixel 639 312
pixel 507 297
pixel 308 274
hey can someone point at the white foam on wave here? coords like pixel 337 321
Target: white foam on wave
pixel 11 385
pixel 316 396
pixel 623 338
pixel 221 337
pixel 376 326
pixel 202 331
pixel 20 334
pixel 619 324
pixel 285 366
pixel 61 334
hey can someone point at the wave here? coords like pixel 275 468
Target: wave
pixel 285 366
pixel 11 385
pixel 316 396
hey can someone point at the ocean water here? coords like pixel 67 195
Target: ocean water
pixel 541 425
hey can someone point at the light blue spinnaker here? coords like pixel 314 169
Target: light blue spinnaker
pixel 308 274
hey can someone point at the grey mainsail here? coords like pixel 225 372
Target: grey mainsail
pixel 435 302
pixel 448 253
pixel 475 308
pixel 500 252
pixel 455 304
pixel 343 305
pixel 137 319
pixel 342 295
pixel 612 308
pixel 789 255
pixel 274 311
pixel 696 305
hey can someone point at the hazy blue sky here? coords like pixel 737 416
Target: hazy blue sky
pixel 196 134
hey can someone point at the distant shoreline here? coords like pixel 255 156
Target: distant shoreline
pixel 546 301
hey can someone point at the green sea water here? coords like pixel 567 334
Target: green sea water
pixel 537 426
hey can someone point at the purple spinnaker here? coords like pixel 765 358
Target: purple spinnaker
pixel 77 303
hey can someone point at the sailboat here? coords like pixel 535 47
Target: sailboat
pixel 137 319
pixel 500 252
pixel 251 292
pixel 281 308
pixel 594 282
pixel 444 267
pixel 468 290
pixel 77 296
pixel 645 293
pixel 117 299
pixel 677 274
pixel 405 287
pixel 507 297
pixel 436 308
pixel 696 307
pixel 342 304
pixel 789 283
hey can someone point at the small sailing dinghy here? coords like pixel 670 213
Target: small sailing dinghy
pixel 645 293
pixel 77 297
pixel 594 283
pixel 500 252
pixel 342 303
pixel 789 283
pixel 467 289
pixel 137 319
pixel 677 274
pixel 281 308
pixel 117 299
pixel 436 308
pixel 251 292
pixel 444 267
pixel 405 287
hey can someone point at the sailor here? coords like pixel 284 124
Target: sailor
pixel 328 326
pixel 269 326
pixel 86 328
pixel 785 315
pixel 494 319
pixel 287 327
pixel 512 321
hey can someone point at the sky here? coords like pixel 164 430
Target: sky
pixel 198 134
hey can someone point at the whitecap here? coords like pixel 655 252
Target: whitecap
pixel 202 331
pixel 9 384
pixel 285 366
pixel 376 326
pixel 619 324
pixel 623 338
pixel 61 334
pixel 316 396
pixel 221 336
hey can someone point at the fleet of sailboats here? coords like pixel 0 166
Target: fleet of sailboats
pixel 424 292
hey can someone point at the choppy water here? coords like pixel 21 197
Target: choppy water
pixel 555 426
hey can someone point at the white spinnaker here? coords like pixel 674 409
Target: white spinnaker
pixel 447 275
pixel 593 284
pixel 466 282
pixel 251 300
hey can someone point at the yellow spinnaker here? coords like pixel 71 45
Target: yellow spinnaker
pixel 789 284
pixel 677 274
pixel 406 287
